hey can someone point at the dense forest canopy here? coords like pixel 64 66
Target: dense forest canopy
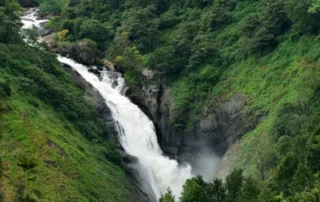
pixel 52 142
pixel 206 50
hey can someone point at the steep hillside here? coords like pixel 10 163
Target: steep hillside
pixel 53 146
pixel 239 76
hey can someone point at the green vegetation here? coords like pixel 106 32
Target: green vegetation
pixel 209 50
pixel 237 188
pixel 53 146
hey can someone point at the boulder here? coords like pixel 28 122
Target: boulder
pixel 94 71
pixel 41 30
pixel 86 51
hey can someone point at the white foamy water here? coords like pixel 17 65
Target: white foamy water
pixel 136 132
pixel 137 136
pixel 30 20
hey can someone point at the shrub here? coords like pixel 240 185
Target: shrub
pixel 53 6
pixel 95 30
pixel 5 90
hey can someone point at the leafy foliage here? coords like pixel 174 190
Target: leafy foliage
pixel 53 6
pixel 168 197
pixel 9 27
pixel 207 51
pixel 53 145
pixel 236 188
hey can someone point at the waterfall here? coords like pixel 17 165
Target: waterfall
pixel 137 135
pixel 136 132
pixel 30 20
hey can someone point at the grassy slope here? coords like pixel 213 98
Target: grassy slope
pixel 69 167
pixel 286 76
pixel 289 75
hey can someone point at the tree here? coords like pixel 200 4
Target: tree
pixel 302 177
pixel 217 191
pixel 194 190
pixel 203 52
pixel 314 7
pixel 1 175
pixel 250 25
pixel 168 197
pixel 234 184
pixel 283 145
pixel 286 170
pixel 1 168
pixel 304 15
pixel 250 190
pixel 141 26
pixel 164 61
pixel 264 155
pixel 313 151
pixel 9 21
pixel 95 30
pixel 219 15
pixel 53 6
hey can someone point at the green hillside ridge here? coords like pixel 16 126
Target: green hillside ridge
pixel 208 51
pixel 53 146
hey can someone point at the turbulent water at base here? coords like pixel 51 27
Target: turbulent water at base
pixel 137 134
pixel 135 130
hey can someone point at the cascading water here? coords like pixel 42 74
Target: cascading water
pixel 137 135
pixel 135 131
pixel 30 20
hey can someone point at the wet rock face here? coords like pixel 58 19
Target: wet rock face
pixel 217 130
pixel 84 52
pixel 91 95
pixel 147 98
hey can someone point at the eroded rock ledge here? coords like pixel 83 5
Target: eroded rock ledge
pixel 218 129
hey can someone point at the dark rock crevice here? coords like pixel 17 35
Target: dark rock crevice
pixel 138 97
pixel 217 130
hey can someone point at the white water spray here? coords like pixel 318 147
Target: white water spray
pixel 136 132
pixel 137 135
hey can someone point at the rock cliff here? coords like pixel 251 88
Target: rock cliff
pixel 217 129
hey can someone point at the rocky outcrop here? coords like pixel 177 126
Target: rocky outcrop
pixel 92 96
pixel 84 52
pixel 217 130
pixel 42 31
pixel 140 192
pixel 148 99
